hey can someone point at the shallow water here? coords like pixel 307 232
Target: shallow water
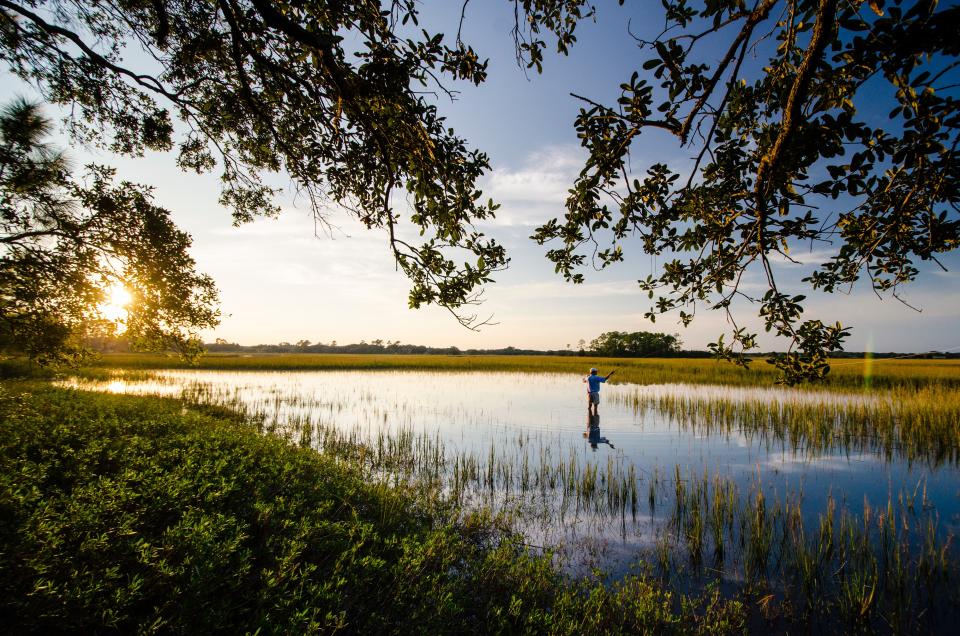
pixel 529 430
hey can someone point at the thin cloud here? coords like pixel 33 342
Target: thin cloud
pixel 802 257
pixel 560 290
pixel 537 190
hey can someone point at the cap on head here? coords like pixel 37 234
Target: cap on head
pixel 593 371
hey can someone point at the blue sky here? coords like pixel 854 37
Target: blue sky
pixel 280 282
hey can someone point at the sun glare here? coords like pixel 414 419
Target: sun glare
pixel 119 296
pixel 115 308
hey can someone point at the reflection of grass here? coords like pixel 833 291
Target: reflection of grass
pixel 916 424
pixel 846 373
pixel 882 569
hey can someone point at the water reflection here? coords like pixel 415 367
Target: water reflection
pixel 515 441
pixel 593 432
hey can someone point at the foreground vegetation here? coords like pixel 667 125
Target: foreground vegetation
pixel 124 514
pixel 845 373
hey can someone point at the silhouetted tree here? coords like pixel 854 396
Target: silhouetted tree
pixel 66 244
pixel 325 91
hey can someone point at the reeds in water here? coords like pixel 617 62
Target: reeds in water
pixel 884 566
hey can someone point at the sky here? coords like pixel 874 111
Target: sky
pixel 286 280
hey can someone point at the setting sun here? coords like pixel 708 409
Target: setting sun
pixel 118 297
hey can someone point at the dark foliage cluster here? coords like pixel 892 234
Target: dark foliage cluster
pixel 66 241
pixel 787 151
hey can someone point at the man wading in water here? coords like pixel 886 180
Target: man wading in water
pixel 593 391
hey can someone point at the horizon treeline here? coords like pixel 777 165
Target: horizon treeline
pixel 378 346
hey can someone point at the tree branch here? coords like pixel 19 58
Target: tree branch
pixel 758 15
pixel 819 40
pixel 147 81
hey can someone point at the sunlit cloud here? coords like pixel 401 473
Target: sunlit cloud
pixel 802 257
pixel 534 192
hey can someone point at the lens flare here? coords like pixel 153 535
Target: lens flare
pixel 115 309
pixel 119 296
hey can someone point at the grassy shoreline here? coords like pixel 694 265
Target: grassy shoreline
pixel 846 374
pixel 123 514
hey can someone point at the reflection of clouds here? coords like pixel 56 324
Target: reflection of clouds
pixel 123 387
pixel 802 463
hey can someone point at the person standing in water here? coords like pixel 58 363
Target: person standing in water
pixel 593 390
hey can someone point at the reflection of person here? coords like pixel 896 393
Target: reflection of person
pixel 593 389
pixel 593 432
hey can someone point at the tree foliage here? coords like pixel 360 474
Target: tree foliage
pixel 775 100
pixel 330 93
pixel 65 243
pixel 785 153
pixel 634 344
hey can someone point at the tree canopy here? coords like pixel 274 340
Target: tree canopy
pixel 634 345
pixel 326 92
pixel 786 152
pixel 65 244
pixel 338 95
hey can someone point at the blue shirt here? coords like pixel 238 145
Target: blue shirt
pixel 594 382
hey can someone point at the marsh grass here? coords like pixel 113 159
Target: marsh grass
pixel 889 567
pixel 845 374
pixel 128 514
pixel 914 424
pixel 885 567
pixel 880 566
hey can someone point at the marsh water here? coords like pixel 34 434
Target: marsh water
pixel 522 442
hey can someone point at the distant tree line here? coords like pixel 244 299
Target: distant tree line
pixel 608 344
pixel 612 343
pixel 621 344
pixel 375 346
